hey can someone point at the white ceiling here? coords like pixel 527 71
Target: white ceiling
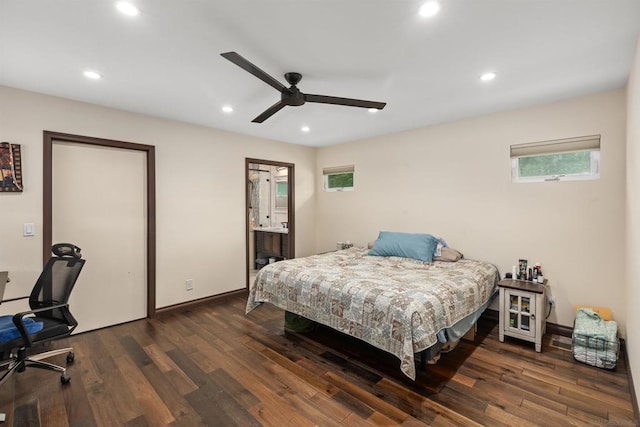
pixel 166 61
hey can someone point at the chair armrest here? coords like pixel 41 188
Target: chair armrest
pixel 17 320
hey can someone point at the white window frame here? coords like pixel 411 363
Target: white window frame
pixel 338 170
pixel 277 198
pixel 548 148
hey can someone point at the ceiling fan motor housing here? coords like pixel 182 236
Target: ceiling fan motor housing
pixel 293 97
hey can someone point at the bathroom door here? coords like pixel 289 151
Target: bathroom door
pixel 270 191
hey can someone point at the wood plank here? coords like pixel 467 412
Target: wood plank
pixel 585 418
pixel 105 408
pixel 432 409
pixel 352 404
pixel 379 419
pixel 605 387
pixel 106 342
pixel 28 412
pixel 504 418
pixel 621 419
pixel 127 407
pixel 461 402
pixel 201 356
pixel 160 358
pixel 243 396
pixel 174 400
pixel 330 405
pixel 271 415
pixel 367 398
pixel 76 402
pixel 307 409
pixel 606 398
pixel 52 411
pixel 354 420
pixel 154 408
pixel 315 383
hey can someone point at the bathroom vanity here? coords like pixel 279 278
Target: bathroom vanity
pixel 270 242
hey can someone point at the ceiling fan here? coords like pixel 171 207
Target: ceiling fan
pixel 291 95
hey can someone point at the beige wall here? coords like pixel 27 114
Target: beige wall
pixel 453 181
pixel 632 295
pixel 200 192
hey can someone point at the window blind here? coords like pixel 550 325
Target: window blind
pixel 337 169
pixel 568 145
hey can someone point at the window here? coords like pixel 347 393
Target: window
pixel 559 160
pixel 338 178
pixel 282 194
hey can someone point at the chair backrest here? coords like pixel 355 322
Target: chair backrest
pixel 54 287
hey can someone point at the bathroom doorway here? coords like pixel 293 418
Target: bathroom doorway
pixel 270 214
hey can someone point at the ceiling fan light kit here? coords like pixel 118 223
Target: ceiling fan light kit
pixel 291 96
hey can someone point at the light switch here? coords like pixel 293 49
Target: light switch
pixel 29 229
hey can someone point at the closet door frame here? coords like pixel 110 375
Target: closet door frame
pixel 47 203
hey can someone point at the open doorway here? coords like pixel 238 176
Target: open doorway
pixel 270 215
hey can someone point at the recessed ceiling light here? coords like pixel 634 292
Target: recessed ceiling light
pixel 92 75
pixel 486 77
pixel 127 8
pixel 227 109
pixel 429 9
pixel 373 110
pixel 305 128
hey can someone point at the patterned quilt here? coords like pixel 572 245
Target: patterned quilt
pixel 395 304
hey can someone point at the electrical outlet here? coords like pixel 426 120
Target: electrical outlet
pixel 552 300
pixel 189 284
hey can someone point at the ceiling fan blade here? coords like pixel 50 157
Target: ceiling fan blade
pixel 350 102
pixel 248 66
pixel 269 112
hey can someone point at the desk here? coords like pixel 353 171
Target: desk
pixel 4 278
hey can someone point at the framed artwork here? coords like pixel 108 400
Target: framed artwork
pixel 10 167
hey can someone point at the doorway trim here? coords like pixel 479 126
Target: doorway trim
pixel 47 203
pixel 291 213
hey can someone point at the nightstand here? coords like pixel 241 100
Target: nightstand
pixel 522 305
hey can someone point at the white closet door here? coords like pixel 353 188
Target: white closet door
pixel 99 204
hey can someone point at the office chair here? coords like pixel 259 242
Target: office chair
pixel 49 318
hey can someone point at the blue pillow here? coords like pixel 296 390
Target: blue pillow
pixel 406 245
pixel 8 330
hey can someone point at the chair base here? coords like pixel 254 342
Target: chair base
pixel 18 362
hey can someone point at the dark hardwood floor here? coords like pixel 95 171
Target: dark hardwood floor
pixel 215 366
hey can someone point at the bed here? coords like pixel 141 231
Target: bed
pixel 400 305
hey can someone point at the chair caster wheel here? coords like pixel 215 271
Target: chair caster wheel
pixel 71 357
pixel 64 379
